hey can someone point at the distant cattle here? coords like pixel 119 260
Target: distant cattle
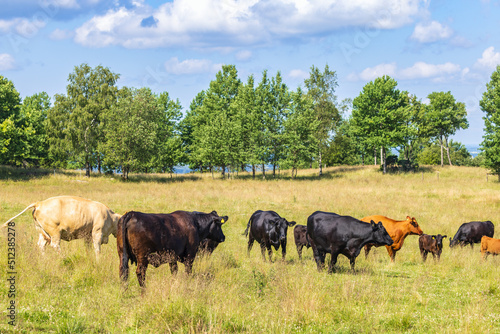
pixel 431 244
pixel 155 239
pixel 268 229
pixel 331 233
pixel 489 246
pixel 471 233
pixel 397 229
pixel 68 218
pixel 300 236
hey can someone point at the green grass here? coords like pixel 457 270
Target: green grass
pixel 231 292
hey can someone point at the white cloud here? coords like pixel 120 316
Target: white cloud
pixel 7 62
pixel 489 60
pixel 419 70
pixel 423 70
pixel 23 27
pixel 371 73
pixel 191 66
pixel 244 55
pixel 60 34
pixel 218 23
pixel 431 32
pixel 298 74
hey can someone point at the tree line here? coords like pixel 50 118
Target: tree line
pixel 234 126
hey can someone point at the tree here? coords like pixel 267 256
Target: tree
pixel 443 117
pixel 378 115
pixel 169 151
pixel 10 135
pixel 75 119
pixel 490 104
pixel 131 130
pixel 276 111
pixel 321 89
pixel 217 132
pixel 34 116
pixel 300 126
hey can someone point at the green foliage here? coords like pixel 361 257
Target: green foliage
pixel 131 130
pixel 431 154
pixel 74 124
pixel 490 104
pixel 321 90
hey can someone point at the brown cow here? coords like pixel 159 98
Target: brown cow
pixel 489 246
pixel 398 230
pixel 300 236
pixel 431 244
pixel 68 218
pixel 146 238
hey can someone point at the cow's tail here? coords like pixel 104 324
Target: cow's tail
pixel 248 226
pixel 32 205
pixel 122 227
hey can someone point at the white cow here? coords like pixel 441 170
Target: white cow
pixel 68 218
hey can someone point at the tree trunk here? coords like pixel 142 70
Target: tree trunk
pixel 223 171
pixel 274 170
pixel 253 171
pixel 263 171
pixel 87 168
pixel 320 164
pixel 447 150
pixel 375 156
pixel 362 159
pixel 382 156
pixel 441 143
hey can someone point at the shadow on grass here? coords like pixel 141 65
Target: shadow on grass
pixel 26 174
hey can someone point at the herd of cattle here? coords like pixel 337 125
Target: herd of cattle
pixel 155 239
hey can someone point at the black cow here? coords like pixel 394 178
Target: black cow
pixel 431 244
pixel 207 246
pixel 331 233
pixel 164 238
pixel 300 236
pixel 268 229
pixel 471 233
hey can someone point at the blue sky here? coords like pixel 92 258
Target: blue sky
pixel 178 46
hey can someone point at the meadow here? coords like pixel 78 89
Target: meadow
pixel 71 292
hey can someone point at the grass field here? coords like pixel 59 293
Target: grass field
pixel 231 292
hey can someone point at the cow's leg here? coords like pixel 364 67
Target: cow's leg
pixel 173 267
pixel 283 250
pixel 433 256
pixel 270 252
pixel 392 253
pixel 188 264
pixel 97 240
pixel 352 260
pixel 424 255
pixel 263 251
pixel 55 242
pixel 367 250
pixel 42 242
pixel 250 243
pixel 299 251
pixel 333 262
pixel 142 266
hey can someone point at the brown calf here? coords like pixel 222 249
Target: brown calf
pixel 489 246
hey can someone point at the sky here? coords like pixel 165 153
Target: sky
pixel 178 46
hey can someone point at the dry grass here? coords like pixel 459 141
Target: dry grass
pixel 230 292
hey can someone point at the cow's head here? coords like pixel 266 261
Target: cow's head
pixel 215 228
pixel 439 240
pixel 413 226
pixel 454 242
pixel 279 229
pixel 380 235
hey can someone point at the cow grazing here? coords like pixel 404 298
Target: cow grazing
pixel 471 233
pixel 331 233
pixel 431 244
pixel 155 239
pixel 68 218
pixel 398 230
pixel 489 246
pixel 268 229
pixel 300 236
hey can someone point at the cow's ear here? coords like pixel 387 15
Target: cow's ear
pixel 223 219
pixel 433 237
pixel 445 236
pixel 291 223
pixel 409 218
